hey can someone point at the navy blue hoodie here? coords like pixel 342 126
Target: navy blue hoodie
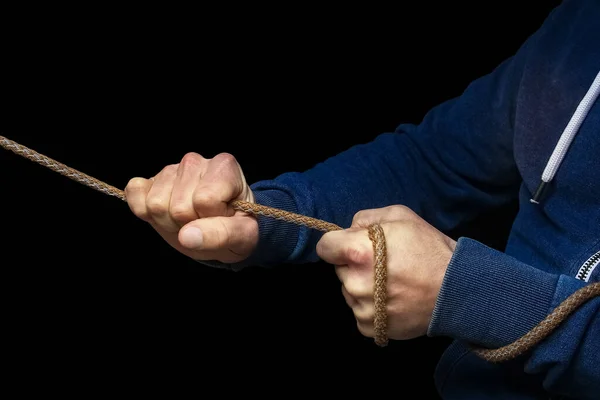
pixel 533 118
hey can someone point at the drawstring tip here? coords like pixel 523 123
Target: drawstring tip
pixel 538 193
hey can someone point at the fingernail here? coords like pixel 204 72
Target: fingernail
pixel 191 237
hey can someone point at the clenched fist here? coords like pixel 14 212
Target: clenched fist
pixel 188 204
pixel 417 259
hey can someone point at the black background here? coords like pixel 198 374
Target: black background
pixel 93 295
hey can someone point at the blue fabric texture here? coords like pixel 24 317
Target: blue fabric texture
pixel 468 155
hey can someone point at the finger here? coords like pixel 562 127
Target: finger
pixel 159 198
pixel 366 329
pixel 364 312
pixel 359 285
pixel 342 272
pixel 364 218
pixel 355 282
pixel 233 235
pixel 188 176
pixel 136 192
pixel 346 247
pixel 350 301
pixel 222 182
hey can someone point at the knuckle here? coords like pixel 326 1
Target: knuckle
pixel 181 213
pixel 411 230
pixel 363 316
pixel 205 198
pixel 357 288
pixel 399 210
pixel 208 203
pixel 170 169
pixel 225 159
pixel 156 206
pixel 135 184
pixel 359 216
pixel 191 158
pixel 358 254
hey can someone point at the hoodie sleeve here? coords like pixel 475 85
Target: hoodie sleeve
pixel 481 303
pixel 454 165
pixel 457 163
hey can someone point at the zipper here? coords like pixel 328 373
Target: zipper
pixel 585 271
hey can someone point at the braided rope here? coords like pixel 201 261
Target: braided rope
pixel 61 168
pixel 376 235
pixel 380 294
pixel 258 209
pixel 543 329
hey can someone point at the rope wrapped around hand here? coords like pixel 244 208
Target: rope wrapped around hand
pixel 376 235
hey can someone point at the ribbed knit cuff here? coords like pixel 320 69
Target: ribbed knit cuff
pixel 488 298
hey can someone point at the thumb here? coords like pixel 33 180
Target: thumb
pixel 351 246
pixel 237 234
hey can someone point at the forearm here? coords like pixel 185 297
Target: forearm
pixel 455 164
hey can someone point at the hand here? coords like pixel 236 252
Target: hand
pixel 188 204
pixel 417 258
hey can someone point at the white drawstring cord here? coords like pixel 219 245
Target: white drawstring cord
pixel 567 137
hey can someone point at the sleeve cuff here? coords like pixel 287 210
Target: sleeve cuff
pixel 489 298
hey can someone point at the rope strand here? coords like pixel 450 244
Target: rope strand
pixel 508 352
